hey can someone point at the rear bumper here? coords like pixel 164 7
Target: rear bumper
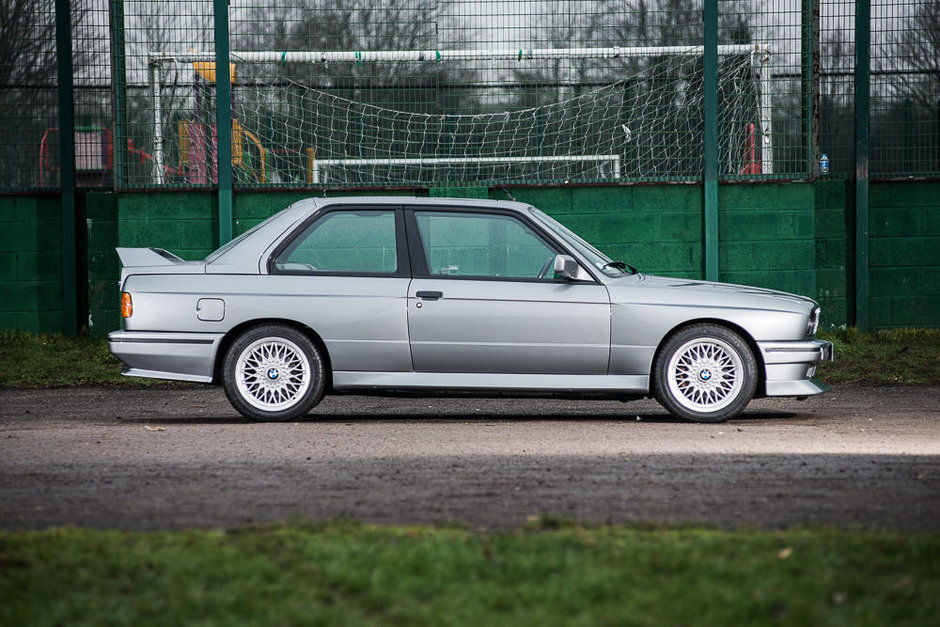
pixel 790 367
pixel 176 356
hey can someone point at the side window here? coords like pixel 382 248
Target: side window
pixel 483 245
pixel 344 241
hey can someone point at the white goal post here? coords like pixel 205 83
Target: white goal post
pixel 760 57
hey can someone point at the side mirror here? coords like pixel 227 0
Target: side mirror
pixel 566 266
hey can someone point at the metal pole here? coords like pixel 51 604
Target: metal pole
pixel 710 244
pixel 223 116
pixel 810 85
pixel 118 90
pixel 156 87
pixel 766 112
pixel 862 125
pixel 63 40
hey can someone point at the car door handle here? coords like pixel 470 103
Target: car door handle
pixel 429 295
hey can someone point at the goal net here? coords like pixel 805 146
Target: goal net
pixel 636 114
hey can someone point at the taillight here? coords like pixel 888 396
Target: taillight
pixel 127 307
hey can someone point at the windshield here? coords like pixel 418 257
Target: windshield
pixel 598 259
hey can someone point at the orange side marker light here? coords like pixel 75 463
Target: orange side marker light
pixel 127 307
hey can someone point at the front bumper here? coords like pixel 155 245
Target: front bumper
pixel 176 356
pixel 790 367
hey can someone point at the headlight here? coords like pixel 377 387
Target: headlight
pixel 813 323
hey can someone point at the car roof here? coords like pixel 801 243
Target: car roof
pixel 243 256
pixel 434 201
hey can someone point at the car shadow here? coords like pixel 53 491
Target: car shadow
pixel 431 417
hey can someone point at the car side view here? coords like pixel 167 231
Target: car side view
pixel 380 295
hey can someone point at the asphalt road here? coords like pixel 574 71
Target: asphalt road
pixel 133 458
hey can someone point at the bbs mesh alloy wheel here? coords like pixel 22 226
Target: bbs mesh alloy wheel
pixel 273 373
pixel 705 373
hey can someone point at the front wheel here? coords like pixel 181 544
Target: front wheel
pixel 705 373
pixel 273 373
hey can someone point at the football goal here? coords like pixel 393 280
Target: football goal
pixel 632 114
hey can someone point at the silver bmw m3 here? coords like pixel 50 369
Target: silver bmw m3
pixel 452 296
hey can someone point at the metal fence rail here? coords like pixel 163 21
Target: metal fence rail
pixel 532 91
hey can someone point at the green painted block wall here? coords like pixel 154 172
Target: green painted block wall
pixel 832 262
pixel 790 236
pixel 184 223
pixel 104 267
pixel 767 236
pixel 30 263
pixel 904 224
pixel 657 229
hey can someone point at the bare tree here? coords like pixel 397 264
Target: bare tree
pixel 915 54
pixel 28 95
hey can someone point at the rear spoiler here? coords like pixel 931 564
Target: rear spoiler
pixel 147 257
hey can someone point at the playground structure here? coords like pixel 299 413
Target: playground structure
pixel 196 142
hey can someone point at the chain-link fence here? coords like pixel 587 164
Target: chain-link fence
pixel 389 93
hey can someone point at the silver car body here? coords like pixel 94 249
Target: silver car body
pixel 595 334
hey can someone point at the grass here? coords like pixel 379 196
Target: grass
pixel 49 361
pixel 351 574
pixel 902 356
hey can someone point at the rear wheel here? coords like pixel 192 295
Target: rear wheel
pixel 273 373
pixel 705 373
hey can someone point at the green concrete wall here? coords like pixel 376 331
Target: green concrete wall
pixel 658 229
pixel 30 263
pixel 104 268
pixel 790 236
pixel 904 254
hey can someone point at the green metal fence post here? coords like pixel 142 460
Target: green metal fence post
pixel 810 84
pixel 118 90
pixel 223 117
pixel 710 244
pixel 63 42
pixel 862 126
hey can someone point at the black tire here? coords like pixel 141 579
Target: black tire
pixel 705 373
pixel 273 373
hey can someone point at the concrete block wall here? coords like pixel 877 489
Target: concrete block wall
pixel 30 263
pixel 767 236
pixel 904 260
pixel 795 237
pixel 104 268
pixel 657 229
pixel 833 283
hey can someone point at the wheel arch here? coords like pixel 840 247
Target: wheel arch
pixel 748 339
pixel 233 334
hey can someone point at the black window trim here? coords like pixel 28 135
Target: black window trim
pixel 401 242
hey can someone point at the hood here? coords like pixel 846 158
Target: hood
pixel 650 289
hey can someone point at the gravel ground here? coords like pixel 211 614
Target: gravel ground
pixel 145 458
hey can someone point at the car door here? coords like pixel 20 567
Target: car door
pixel 477 302
pixel 345 275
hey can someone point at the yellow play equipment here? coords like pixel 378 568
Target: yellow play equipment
pixel 197 140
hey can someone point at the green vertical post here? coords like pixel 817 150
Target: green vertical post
pixel 63 43
pixel 223 117
pixel 810 84
pixel 710 243
pixel 862 125
pixel 118 90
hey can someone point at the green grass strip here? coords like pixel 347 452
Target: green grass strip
pixel 902 356
pixel 350 574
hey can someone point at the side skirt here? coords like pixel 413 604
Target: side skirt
pixel 495 383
